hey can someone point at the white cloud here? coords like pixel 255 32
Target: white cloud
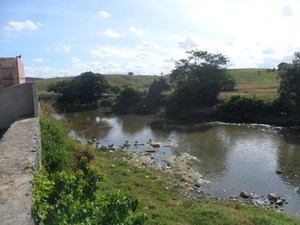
pixel 149 45
pixel 144 59
pixel 66 48
pixel 111 33
pixel 62 48
pixel 44 72
pixel 104 14
pixel 75 59
pixel 22 25
pixel 188 43
pixel 137 32
pixel 38 60
pixel 267 51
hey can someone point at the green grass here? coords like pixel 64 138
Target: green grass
pixel 256 75
pixel 166 206
pixel 254 82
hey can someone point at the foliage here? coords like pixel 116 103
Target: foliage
pixel 289 89
pixel 198 79
pixel 228 82
pixel 67 190
pixel 243 108
pixel 85 88
pixel 73 198
pixel 155 97
pixel 55 156
pixel 128 97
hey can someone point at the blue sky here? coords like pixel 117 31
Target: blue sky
pixel 68 37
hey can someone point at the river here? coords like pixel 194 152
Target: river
pixel 233 157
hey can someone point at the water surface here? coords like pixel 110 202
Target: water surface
pixel 234 157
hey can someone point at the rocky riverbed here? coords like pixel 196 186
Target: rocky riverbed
pixel 190 182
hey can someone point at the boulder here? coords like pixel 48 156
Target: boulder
pixel 244 194
pixel 272 197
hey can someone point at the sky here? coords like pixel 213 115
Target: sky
pixel 68 37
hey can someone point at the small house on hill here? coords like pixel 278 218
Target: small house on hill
pixel 11 71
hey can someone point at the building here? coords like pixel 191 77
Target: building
pixel 11 71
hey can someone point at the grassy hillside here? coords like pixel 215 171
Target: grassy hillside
pixel 254 75
pixel 254 81
pixel 32 79
pixel 141 81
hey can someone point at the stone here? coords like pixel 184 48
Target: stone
pixel 279 202
pixel 244 194
pixel 278 171
pixel 272 197
pixel 197 184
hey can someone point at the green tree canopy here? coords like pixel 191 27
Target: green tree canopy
pixel 157 87
pixel 198 79
pixel 128 97
pixel 289 89
pixel 85 88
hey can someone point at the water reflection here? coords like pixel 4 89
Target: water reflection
pixel 289 158
pixel 85 125
pixel 133 124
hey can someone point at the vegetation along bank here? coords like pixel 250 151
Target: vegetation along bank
pixel 200 87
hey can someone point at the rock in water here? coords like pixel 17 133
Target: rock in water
pixel 272 197
pixel 244 194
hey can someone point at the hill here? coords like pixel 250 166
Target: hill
pixel 141 81
pixel 32 79
pixel 261 82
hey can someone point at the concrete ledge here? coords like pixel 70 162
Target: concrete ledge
pixel 20 150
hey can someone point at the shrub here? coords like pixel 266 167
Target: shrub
pixel 55 156
pixel 244 108
pixel 127 99
pixel 73 198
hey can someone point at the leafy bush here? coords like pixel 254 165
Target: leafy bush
pixel 61 196
pixel 127 99
pixel 55 156
pixel 73 198
pixel 244 108
pixel 155 97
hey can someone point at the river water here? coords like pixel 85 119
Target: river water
pixel 233 157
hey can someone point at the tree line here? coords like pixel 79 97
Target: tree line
pixel 195 81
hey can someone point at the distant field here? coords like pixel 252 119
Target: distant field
pixel 141 81
pixel 252 81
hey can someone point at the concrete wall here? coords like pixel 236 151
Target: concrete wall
pixel 19 152
pixel 11 72
pixel 17 102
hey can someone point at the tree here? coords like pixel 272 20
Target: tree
pixel 128 98
pixel 198 79
pixel 155 97
pixel 157 87
pixel 289 89
pixel 85 88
